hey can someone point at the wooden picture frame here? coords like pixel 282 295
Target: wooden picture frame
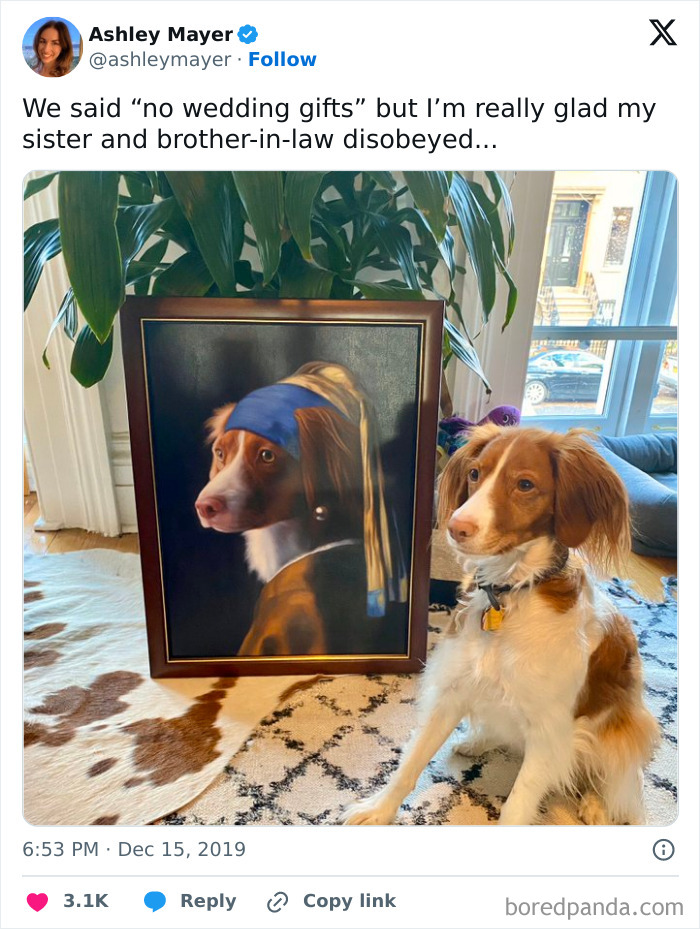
pixel 211 609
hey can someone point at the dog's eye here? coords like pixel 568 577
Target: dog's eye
pixel 524 484
pixel 474 474
pixel 267 455
pixel 219 453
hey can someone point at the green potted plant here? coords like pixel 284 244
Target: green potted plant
pixel 267 234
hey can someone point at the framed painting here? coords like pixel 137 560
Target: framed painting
pixel 283 455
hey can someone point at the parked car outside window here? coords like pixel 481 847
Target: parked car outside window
pixel 563 374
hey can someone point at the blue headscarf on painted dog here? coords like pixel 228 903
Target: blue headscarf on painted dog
pixel 269 413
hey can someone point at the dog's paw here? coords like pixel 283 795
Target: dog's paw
pixel 370 812
pixel 591 811
pixel 474 746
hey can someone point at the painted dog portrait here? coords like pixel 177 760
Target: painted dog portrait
pixel 296 470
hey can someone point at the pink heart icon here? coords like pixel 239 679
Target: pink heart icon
pixel 37 901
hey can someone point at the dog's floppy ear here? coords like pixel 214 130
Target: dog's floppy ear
pixel 454 484
pixel 330 458
pixel 215 424
pixel 590 503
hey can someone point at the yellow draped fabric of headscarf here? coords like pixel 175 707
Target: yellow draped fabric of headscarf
pixel 386 575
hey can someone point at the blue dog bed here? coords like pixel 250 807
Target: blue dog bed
pixel 648 466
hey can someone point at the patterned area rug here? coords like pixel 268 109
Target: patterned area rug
pixel 104 743
pixel 336 739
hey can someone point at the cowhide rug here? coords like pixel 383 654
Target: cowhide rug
pixel 104 743
pixel 336 739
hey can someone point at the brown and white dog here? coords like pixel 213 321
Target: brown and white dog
pixel 288 507
pixel 538 660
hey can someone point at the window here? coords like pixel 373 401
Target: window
pixel 603 352
pixel 619 233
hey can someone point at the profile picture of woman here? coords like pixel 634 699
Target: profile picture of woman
pixel 52 47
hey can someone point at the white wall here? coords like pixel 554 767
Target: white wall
pixel 65 427
pixel 113 395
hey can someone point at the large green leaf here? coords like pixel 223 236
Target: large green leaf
pixel 395 242
pixel 465 351
pixel 337 213
pixel 430 190
pixel 263 199
pixel 178 230
pixel 306 281
pixel 300 189
pixel 476 232
pixel 387 290
pixel 501 193
pixel 68 315
pixel 301 280
pixel 344 183
pixel 502 252
pixel 211 205
pixel 148 262
pixel 512 295
pixel 385 179
pixel 87 203
pixel 38 183
pixel 447 250
pixel 246 277
pixel 136 225
pixel 90 358
pixel 334 254
pixel 140 186
pixel 379 200
pixel 343 290
pixel 160 183
pixel 430 247
pixel 492 215
pixel 42 242
pixel 189 276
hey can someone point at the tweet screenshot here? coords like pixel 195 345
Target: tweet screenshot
pixel 351 558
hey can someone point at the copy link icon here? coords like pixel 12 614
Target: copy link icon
pixel 275 904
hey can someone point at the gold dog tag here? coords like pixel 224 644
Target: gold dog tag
pixel 491 619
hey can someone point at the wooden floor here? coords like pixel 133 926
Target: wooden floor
pixel 68 540
pixel 644 573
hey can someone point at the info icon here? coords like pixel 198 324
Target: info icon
pixel 663 849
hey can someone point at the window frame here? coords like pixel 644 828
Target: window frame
pixel 644 326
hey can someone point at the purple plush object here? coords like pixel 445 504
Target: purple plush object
pixel 502 416
pixel 453 431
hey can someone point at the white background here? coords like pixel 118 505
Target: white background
pixel 466 51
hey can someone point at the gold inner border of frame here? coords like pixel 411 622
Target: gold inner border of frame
pixel 420 324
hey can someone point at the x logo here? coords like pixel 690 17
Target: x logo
pixel 663 31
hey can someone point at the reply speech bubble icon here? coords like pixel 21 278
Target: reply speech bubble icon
pixel 154 900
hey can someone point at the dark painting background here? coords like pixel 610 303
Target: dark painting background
pixel 193 367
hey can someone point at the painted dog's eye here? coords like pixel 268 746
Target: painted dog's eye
pixel 267 455
pixel 524 484
pixel 474 474
pixel 219 453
